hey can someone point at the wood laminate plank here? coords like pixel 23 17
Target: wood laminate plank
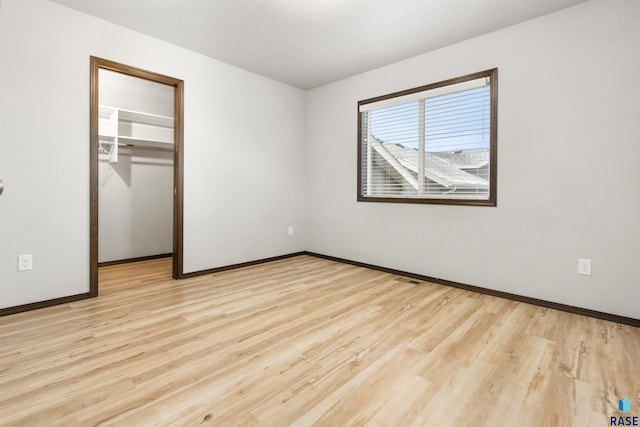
pixel 307 341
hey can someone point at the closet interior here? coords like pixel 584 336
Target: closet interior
pixel 135 167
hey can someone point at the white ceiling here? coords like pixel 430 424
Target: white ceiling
pixel 308 43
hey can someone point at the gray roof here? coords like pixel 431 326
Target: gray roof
pixel 442 168
pixel 467 159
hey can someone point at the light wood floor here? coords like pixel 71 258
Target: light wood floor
pixel 306 341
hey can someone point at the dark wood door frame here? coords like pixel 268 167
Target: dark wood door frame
pixel 178 162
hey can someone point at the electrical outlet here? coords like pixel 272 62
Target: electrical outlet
pixel 291 230
pixel 584 267
pixel 25 262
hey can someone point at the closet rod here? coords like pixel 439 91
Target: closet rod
pixel 147 146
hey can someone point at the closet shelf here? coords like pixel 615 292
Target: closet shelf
pixel 119 127
pixel 150 119
pixel 136 116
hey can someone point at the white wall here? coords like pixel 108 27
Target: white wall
pixel 133 93
pixel 568 170
pixel 243 173
pixel 135 202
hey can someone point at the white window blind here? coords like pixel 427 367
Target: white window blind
pixel 433 144
pixel 424 94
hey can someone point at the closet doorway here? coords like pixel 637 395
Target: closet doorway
pixel 136 166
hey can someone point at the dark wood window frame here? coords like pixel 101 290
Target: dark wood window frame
pixel 493 144
pixel 178 166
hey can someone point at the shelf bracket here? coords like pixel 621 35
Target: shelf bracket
pixel 112 151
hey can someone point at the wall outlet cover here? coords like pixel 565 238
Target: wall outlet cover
pixel 25 262
pixel 584 267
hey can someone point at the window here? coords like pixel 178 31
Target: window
pixel 432 144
